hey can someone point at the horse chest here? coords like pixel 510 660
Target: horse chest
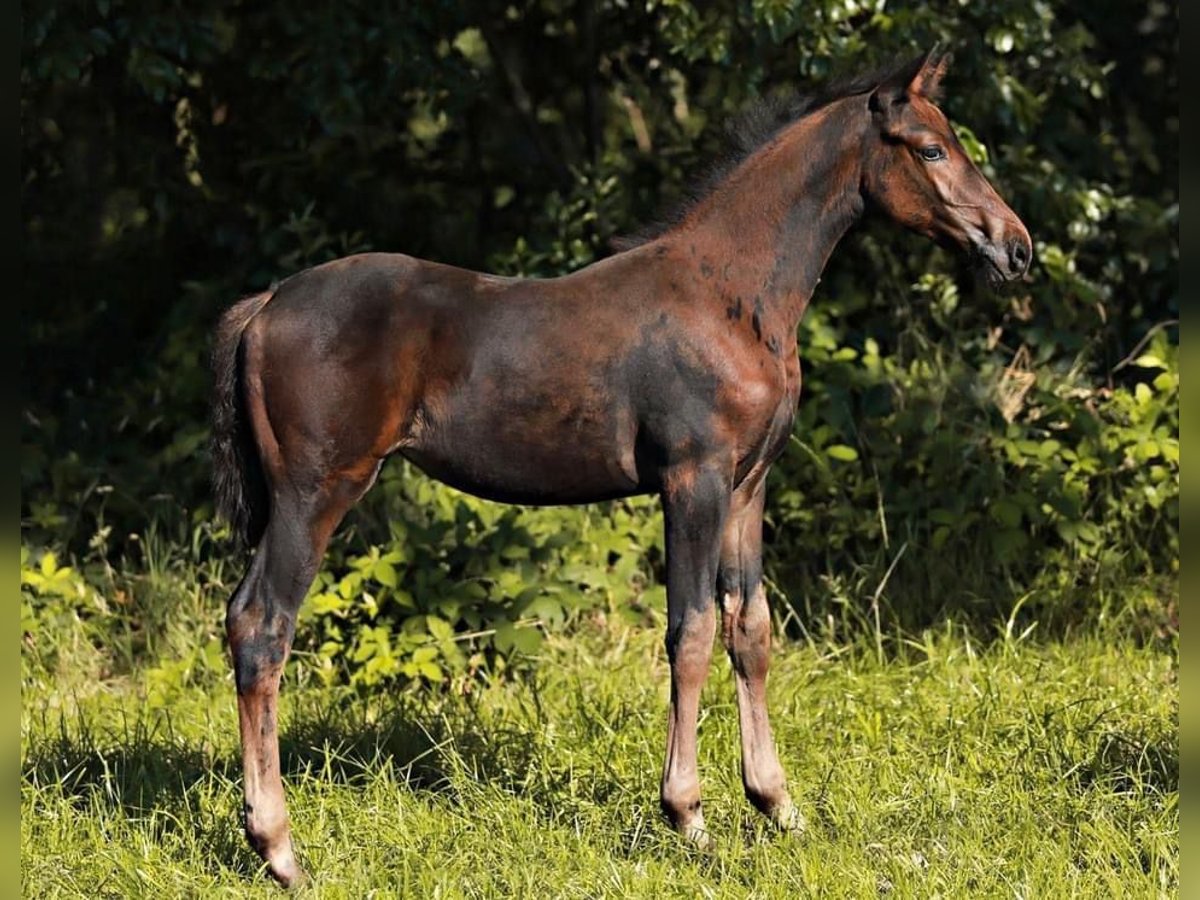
pixel 785 413
pixel 778 421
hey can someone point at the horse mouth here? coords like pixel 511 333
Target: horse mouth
pixel 993 276
pixel 988 270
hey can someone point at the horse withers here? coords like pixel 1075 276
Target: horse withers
pixel 669 368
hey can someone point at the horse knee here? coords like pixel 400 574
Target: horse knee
pixel 259 660
pixel 689 641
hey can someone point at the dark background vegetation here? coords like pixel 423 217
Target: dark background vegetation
pixel 957 454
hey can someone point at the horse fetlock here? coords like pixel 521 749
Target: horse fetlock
pixel 284 868
pixel 270 837
pixel 686 816
pixel 777 805
pixel 267 831
pixel 767 795
pixel 681 806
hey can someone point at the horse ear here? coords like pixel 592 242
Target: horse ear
pixel 927 81
pixel 920 77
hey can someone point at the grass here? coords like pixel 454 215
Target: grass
pixel 948 766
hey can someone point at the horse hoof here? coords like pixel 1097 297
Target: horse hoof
pixel 788 818
pixel 699 837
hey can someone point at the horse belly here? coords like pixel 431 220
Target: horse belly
pixel 530 454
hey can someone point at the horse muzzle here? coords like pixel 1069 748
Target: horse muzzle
pixel 1006 260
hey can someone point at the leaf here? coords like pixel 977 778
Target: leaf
pixel 841 452
pixel 943 516
pixel 1006 512
pixel 325 603
pixel 471 44
pixel 471 591
pixel 1007 542
pixel 424 654
pixel 1048 448
pixel 348 586
pixel 546 609
pixel 439 628
pixel 976 150
pixel 385 574
pixel 431 670
pixel 403 599
pixel 1146 450
pixel 510 638
pixel 1166 381
pixel 940 536
pixel 655 597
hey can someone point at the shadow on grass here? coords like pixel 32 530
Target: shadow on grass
pixel 435 746
pixel 138 766
pixel 1132 764
pixel 423 744
pixel 142 772
pixel 186 795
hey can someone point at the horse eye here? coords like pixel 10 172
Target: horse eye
pixel 932 153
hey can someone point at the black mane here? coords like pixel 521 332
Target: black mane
pixel 754 127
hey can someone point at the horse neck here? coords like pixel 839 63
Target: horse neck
pixel 769 228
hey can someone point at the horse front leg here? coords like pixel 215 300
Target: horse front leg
pixel 695 503
pixel 746 633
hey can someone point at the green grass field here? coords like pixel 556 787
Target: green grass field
pixel 954 766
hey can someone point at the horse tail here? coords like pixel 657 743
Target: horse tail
pixel 238 479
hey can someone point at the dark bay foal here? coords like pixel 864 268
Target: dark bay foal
pixel 670 368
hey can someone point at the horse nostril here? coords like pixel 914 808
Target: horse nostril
pixel 1018 255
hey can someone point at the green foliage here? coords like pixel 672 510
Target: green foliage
pixel 996 480
pixel 953 453
pixel 51 596
pixel 459 580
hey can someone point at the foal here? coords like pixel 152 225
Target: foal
pixel 670 368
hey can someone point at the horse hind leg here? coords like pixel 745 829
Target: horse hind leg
pixel 260 622
pixel 323 411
